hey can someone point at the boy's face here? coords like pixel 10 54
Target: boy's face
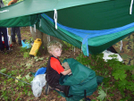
pixel 56 52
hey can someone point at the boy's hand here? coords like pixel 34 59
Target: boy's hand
pixel 66 65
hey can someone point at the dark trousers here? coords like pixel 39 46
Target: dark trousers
pixel 3 31
pixel 13 31
pixel 62 88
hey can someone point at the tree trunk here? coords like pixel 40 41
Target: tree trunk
pixel 42 36
pixel 45 39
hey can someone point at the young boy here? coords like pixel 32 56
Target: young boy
pixel 55 69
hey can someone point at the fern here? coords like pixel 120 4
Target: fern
pixel 102 94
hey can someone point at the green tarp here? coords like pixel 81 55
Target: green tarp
pixel 27 8
pixel 80 14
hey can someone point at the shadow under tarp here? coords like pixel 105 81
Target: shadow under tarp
pixel 82 78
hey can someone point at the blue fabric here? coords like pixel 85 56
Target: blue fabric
pixel 42 70
pixel 25 45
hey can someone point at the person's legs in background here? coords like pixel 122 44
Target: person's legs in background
pixel 13 34
pixel 1 43
pixel 17 30
pixel 5 35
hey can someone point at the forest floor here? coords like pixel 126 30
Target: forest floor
pixel 16 63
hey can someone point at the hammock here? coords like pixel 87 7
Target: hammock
pixel 88 39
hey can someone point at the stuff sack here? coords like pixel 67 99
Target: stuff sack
pixel 37 84
pixel 82 78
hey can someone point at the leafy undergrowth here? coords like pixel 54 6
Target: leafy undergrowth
pixel 19 65
pixel 118 81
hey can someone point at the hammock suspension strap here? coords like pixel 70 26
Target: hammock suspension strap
pixel 131 7
pixel 55 18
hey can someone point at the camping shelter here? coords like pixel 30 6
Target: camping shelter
pixel 92 25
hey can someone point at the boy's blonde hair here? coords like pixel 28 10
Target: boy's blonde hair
pixel 53 44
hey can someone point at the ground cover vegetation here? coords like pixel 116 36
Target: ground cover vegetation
pixel 117 85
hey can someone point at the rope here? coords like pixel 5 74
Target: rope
pixel 121 45
pixel 14 78
pixel 40 23
pixel 48 38
pixel 34 27
pixel 130 11
pixel 30 29
pixel 55 18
